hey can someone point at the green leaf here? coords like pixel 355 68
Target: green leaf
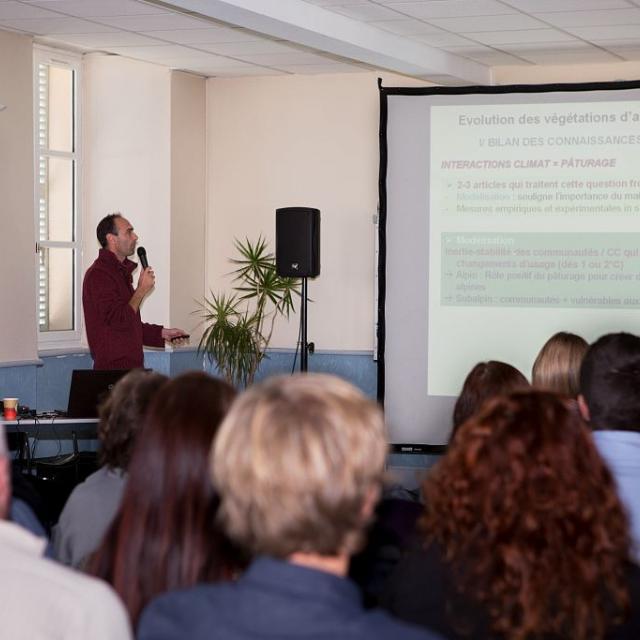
pixel 234 339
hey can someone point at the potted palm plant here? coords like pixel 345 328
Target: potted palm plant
pixel 239 325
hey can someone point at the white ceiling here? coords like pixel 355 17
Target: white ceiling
pixel 445 41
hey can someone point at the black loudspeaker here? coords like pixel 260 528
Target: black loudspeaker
pixel 298 242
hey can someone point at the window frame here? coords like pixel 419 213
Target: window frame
pixel 67 60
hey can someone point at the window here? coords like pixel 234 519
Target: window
pixel 57 203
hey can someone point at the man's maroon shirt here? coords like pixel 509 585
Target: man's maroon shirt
pixel 114 330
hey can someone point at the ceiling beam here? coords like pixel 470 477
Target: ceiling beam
pixel 312 26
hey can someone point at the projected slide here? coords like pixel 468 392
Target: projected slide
pixel 531 207
pixel 510 213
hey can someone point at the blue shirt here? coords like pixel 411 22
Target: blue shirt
pixel 273 600
pixel 621 452
pixel 21 513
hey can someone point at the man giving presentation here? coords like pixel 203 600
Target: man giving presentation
pixel 111 305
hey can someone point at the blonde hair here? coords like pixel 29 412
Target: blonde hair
pixel 557 367
pixel 295 461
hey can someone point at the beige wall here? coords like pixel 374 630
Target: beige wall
pixel 300 141
pixel 313 141
pixel 188 200
pixel 17 275
pixel 193 171
pixel 529 74
pixel 127 162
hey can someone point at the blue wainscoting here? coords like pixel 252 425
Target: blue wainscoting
pixel 44 384
pixel 19 381
pixel 54 377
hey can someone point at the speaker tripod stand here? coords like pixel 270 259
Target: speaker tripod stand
pixel 298 256
pixel 305 347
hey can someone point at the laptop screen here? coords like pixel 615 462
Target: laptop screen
pixel 89 389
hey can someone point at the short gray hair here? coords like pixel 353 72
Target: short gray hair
pixel 295 461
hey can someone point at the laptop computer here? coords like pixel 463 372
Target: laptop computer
pixel 88 390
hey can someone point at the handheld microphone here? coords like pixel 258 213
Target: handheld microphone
pixel 142 254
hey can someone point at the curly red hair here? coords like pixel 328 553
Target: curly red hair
pixel 529 520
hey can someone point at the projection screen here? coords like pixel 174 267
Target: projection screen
pixel 506 214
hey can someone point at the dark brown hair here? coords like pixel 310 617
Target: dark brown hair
pixel 165 535
pixel 529 521
pixel 610 382
pixel 486 380
pixel 105 226
pixel 122 415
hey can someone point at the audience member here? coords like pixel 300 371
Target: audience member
pixel 485 381
pixel 164 535
pixel 524 534
pixel 92 504
pixel 395 520
pixel 388 537
pixel 40 598
pixel 28 507
pixel 610 402
pixel 557 366
pixel 22 514
pixel 298 463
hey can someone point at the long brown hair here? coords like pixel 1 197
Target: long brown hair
pixel 557 366
pixel 122 415
pixel 164 536
pixel 486 380
pixel 529 521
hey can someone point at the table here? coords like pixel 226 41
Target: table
pixel 50 435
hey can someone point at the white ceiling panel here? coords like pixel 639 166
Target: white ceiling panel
pixel 44 26
pixel 493 57
pixel 19 10
pixel 469 50
pixel 335 34
pixel 157 53
pixel 210 62
pixel 535 6
pixel 560 53
pixel 203 36
pixel 314 69
pixel 334 3
pixel 98 8
pixel 222 64
pixel 445 40
pixel 278 59
pixel 253 47
pixel 451 41
pixel 607 32
pixel 507 22
pixel 366 12
pixel 406 27
pixel 451 9
pixel 631 52
pixel 575 46
pixel 621 42
pixel 515 37
pixel 100 41
pixel 241 73
pixel 597 56
pixel 591 18
pixel 157 22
